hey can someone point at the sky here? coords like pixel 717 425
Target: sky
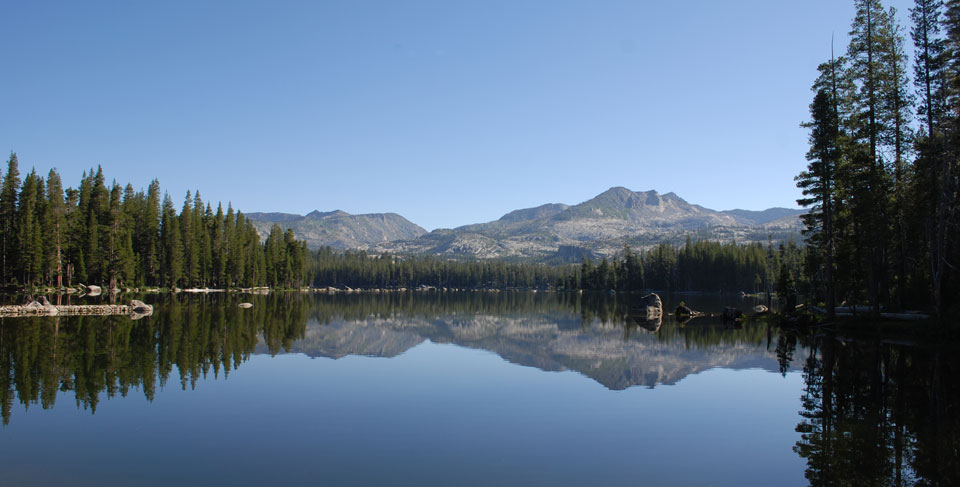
pixel 446 112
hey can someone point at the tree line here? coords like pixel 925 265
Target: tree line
pixel 881 183
pixel 358 269
pixel 697 266
pixel 119 237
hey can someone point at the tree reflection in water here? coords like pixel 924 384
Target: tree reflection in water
pixel 90 355
pixel 874 412
pixel 193 337
pixel 877 412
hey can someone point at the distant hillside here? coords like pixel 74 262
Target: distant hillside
pixel 339 229
pixel 600 226
pixel 544 211
pixel 747 217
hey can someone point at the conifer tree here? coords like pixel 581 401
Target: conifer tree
pixel 818 182
pixel 55 221
pixel 190 255
pixel 29 237
pixel 149 232
pixel 928 69
pixel 201 239
pixel 96 242
pixel 172 257
pixel 897 104
pixel 219 247
pixel 8 214
pixel 945 232
pixel 868 181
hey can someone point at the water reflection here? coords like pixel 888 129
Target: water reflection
pixel 599 336
pixel 874 412
pixel 90 355
pixel 877 412
pixel 193 337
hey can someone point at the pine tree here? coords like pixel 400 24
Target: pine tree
pixel 219 248
pixel 869 182
pixel 897 103
pixel 819 180
pixel 201 239
pixel 29 237
pixel 96 241
pixel 929 75
pixel 8 216
pixel 232 266
pixel 191 256
pixel 172 257
pixel 75 267
pixel 944 233
pixel 149 233
pixel 55 225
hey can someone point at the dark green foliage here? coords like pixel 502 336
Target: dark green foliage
pixel 883 222
pixel 117 237
pixel 54 221
pixel 9 194
pixel 819 181
pixel 697 266
pixel 361 270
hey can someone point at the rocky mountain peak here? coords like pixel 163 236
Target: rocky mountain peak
pixel 317 214
pixel 341 230
pixel 598 226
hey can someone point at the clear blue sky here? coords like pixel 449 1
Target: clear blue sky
pixel 447 112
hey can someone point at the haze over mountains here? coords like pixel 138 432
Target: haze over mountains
pixel 599 226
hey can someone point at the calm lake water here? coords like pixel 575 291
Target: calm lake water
pixel 465 389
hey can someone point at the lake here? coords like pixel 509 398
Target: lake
pixel 512 388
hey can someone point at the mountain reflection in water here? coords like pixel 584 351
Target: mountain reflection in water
pixel 873 412
pixel 597 336
pixel 200 336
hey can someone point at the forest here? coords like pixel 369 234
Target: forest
pixel 358 269
pixel 113 235
pixel 700 265
pixel 881 183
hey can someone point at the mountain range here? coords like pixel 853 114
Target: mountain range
pixel 555 231
pixel 339 229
